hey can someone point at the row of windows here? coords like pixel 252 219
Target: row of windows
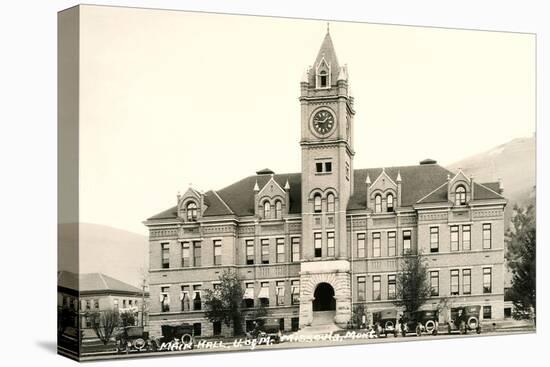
pixel 466 238
pixel 318 206
pixel 318 244
pixel 466 281
pixel 376 243
pixel 378 203
pixel 376 286
pixel 277 210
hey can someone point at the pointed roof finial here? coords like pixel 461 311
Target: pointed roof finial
pixel 287 185
pixel 367 181
pixel 256 187
pixel 398 176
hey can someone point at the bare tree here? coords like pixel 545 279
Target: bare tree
pixel 104 323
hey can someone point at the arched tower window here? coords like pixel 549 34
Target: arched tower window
pixel 323 79
pixel 191 211
pixel 460 195
pixel 330 203
pixel 389 202
pixel 267 210
pixel 378 203
pixel 317 203
pixel 278 209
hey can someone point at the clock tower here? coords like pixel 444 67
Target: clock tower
pixel 327 184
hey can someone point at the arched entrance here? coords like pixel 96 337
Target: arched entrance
pixel 324 298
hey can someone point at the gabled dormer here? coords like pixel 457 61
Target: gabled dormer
pixel 271 201
pixel 459 189
pixel 191 205
pixel 383 194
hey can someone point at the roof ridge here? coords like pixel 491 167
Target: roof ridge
pixel 431 192
pixel 103 279
pixel 488 188
pixel 223 201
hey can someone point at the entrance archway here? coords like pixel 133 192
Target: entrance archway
pixel 324 298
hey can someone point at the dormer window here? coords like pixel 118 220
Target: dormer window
pixel 278 210
pixel 389 203
pixel 267 210
pixel 323 75
pixel 460 195
pixel 191 211
pixel 317 203
pixel 378 204
pixel 323 79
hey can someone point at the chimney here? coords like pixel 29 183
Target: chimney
pixel 500 186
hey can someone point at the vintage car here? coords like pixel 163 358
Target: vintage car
pixel 180 337
pixel 265 328
pixel 464 319
pixel 386 322
pixel 419 322
pixel 132 339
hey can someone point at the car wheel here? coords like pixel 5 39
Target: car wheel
pixel 418 331
pixel 478 330
pixel 462 327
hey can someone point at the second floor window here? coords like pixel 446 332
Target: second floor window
pixel 391 286
pixel 360 245
pixel 454 238
pixel 165 249
pixel 217 252
pixel 317 208
pixel 378 204
pixel 263 296
pixel 376 244
pixel 197 302
pixel 280 250
pixel 454 282
pixel 406 242
pixel 185 298
pixel 434 239
pixel 434 283
pixel 295 244
pixel 460 195
pixel 317 243
pixel 466 281
pixel 361 289
pixel 391 244
pixel 265 251
pixel 487 236
pixel 249 252
pixel 185 254
pixel 466 238
pixel 164 299
pixel 389 203
pixel 376 287
pixel 280 292
pixel 487 280
pixel 330 244
pixel 191 211
pixel 197 253
pixel 295 292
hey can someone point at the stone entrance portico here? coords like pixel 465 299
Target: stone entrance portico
pixel 335 273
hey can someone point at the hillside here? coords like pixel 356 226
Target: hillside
pixel 118 253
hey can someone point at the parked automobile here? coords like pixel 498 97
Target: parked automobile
pixel 265 328
pixel 132 338
pixel 177 335
pixel 464 319
pixel 419 322
pixel 386 322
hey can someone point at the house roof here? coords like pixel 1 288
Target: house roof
pixel 425 183
pixel 93 282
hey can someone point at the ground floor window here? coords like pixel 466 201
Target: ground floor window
pixel 487 312
pixel 197 329
pixel 507 312
pixel 295 323
pixel 282 324
pixel 217 326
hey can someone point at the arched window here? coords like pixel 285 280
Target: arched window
pixel 278 209
pixel 460 195
pixel 330 203
pixel 267 210
pixel 378 203
pixel 323 79
pixel 389 203
pixel 191 211
pixel 317 203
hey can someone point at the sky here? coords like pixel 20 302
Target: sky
pixel 172 98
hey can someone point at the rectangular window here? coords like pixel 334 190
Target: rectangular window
pixel 197 329
pixel 487 280
pixel 115 304
pixel 264 294
pixel 487 236
pixel 391 286
pixel 185 255
pixel 466 238
pixel 360 245
pixel 164 299
pixel 295 244
pixel 454 238
pixel 197 253
pixel 265 251
pixel 249 252
pixel 487 312
pixel 185 298
pixel 280 250
pixel 376 287
pixel 328 166
pixel 88 304
pixel 454 282
pixel 466 281
pixel 319 167
pixel 165 248
pixel 197 302
pixel 434 239
pixel 434 283
pixel 361 289
pixel 280 292
pixel 295 292
pixel 96 304
pixel 391 244
pixel 217 252
pixel 406 242
pixel 317 242
pixel 376 244
pixel 217 328
pixel 330 244
pixel 123 303
pixel 249 295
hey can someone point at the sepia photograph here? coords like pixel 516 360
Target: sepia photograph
pixel 245 183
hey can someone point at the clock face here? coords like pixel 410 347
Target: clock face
pixel 323 122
